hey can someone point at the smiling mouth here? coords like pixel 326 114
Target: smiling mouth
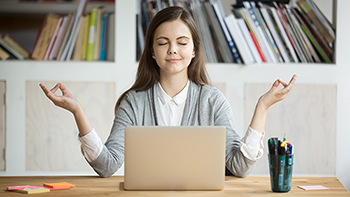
pixel 172 60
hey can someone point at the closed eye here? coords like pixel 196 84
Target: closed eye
pixel 183 43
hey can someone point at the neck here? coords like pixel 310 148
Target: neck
pixel 174 85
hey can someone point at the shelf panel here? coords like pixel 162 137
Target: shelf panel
pixel 44 8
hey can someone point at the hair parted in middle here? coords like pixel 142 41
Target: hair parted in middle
pixel 148 70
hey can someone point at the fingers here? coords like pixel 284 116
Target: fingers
pixel 288 87
pixel 49 93
pixel 64 89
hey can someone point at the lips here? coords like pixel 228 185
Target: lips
pixel 173 60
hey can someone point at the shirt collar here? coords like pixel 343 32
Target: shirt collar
pixel 178 99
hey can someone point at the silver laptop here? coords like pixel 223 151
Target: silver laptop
pixel 174 158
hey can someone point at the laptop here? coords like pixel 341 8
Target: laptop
pixel 174 158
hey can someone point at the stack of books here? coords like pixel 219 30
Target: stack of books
pixel 255 32
pixel 76 36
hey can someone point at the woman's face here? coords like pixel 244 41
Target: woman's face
pixel 173 48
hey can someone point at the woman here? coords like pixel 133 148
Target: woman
pixel 171 89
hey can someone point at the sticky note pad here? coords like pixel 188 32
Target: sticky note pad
pixel 313 187
pixel 32 191
pixel 58 185
pixel 57 188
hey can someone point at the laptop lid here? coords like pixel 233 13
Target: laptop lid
pixel 174 158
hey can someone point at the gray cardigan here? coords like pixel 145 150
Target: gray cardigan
pixel 205 106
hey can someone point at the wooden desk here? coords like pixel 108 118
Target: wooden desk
pixel 250 186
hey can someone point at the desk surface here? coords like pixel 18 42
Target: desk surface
pixel 249 186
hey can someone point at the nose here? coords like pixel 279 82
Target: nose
pixel 172 49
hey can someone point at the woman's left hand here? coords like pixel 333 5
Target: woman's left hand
pixel 275 95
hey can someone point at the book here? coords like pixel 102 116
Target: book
pixel 218 34
pixel 10 51
pixel 299 37
pixel 267 33
pixel 92 32
pixel 86 37
pixel 284 34
pixel 44 36
pixel 79 41
pixel 13 44
pixel 111 38
pixel 305 6
pixel 258 32
pixel 60 36
pixel 305 38
pixel 275 35
pixel 223 28
pixel 53 39
pixel 64 42
pixel 252 48
pixel 67 53
pixel 325 47
pixel 3 54
pixel 312 39
pixel 97 44
pixel 239 39
pixel 104 38
pixel 200 19
pixel 242 13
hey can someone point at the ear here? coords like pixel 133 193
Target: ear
pixel 153 55
pixel 193 54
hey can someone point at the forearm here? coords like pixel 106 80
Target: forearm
pixel 258 121
pixel 82 122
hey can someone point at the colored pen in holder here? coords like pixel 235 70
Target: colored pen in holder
pixel 280 165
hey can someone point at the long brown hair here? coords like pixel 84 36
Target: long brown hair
pixel 148 70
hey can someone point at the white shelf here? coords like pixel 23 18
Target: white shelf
pixel 45 7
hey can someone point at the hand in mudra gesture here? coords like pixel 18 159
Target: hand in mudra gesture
pixel 275 94
pixel 66 101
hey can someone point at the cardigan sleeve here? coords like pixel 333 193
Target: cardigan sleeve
pixel 111 157
pixel 236 162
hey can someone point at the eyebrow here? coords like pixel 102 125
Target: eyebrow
pixel 181 37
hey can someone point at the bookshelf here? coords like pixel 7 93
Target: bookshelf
pixel 122 72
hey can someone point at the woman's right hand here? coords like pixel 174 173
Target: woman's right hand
pixel 66 101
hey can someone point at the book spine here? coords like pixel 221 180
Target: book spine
pixel 226 34
pixel 92 33
pixel 103 39
pixel 86 37
pixel 11 50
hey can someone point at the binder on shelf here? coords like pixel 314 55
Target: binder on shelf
pixel 44 36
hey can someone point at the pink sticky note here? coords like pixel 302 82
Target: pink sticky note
pixel 23 187
pixel 313 187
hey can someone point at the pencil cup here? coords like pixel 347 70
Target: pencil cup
pixel 281 168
